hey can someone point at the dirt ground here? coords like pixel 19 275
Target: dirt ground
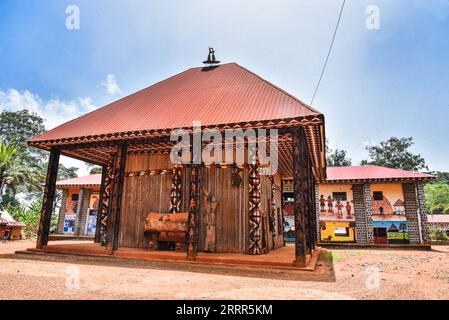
pixel 341 274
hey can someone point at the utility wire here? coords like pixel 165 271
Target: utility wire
pixel 329 52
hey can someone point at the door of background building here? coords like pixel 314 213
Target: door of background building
pixel 380 236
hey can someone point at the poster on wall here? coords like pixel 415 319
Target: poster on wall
pixel 69 223
pixel 289 223
pixel 92 214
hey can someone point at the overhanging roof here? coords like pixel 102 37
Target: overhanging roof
pixel 225 96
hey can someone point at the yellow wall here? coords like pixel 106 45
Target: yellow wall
pixel 330 231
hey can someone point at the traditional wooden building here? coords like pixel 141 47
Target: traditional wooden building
pixel 230 206
pixel 372 205
pixel 80 200
pixel 8 223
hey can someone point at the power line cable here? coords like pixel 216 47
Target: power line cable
pixel 329 52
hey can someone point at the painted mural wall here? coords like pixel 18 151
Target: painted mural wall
pixel 337 219
pixel 389 220
pixel 71 209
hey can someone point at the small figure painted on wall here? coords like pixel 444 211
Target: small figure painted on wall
pixel 339 207
pixel 322 204
pixel 330 204
pixel 348 210
pixel 5 235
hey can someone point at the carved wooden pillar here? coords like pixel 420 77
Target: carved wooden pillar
pixel 115 201
pixel 255 216
pixel 175 193
pixel 49 197
pixel 194 208
pixel 298 137
pixel 100 205
pixel 106 194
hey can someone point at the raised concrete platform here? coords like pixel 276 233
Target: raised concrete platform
pixel 58 237
pixel 278 259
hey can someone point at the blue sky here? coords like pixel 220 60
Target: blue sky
pixel 393 81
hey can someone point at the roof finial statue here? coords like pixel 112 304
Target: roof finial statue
pixel 211 57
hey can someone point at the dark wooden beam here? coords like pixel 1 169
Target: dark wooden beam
pixel 175 192
pixel 113 221
pixel 49 197
pixel 194 208
pixel 106 200
pixel 299 197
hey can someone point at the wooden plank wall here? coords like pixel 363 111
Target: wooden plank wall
pixel 232 209
pixel 141 195
pixel 144 194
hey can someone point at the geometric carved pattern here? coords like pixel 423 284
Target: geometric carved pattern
pixel 106 200
pixel 255 216
pixel 175 193
pixel 194 207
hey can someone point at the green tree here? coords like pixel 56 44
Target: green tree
pixel 437 198
pixel 13 174
pixel 338 158
pixel 18 127
pixel 441 177
pixel 395 153
pixel 96 170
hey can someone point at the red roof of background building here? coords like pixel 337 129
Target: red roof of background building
pixel 226 94
pixel 373 173
pixel 438 218
pixel 94 180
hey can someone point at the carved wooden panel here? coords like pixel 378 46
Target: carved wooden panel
pixel 194 206
pixel 175 192
pixel 255 216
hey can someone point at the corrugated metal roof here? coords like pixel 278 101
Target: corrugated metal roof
pixel 8 221
pixel 225 94
pixel 371 173
pixel 91 180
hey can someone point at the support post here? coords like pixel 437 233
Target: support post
pixel 106 201
pixel 255 216
pixel 298 137
pixel 49 197
pixel 113 223
pixel 100 205
pixel 175 192
pixel 194 208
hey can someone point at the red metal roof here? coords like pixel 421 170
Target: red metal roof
pixel 438 218
pixel 93 180
pixel 226 94
pixel 8 221
pixel 363 173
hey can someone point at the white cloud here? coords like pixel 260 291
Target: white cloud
pixel 111 85
pixel 54 111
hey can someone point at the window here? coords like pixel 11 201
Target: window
pixel 378 195
pixel 339 196
pixel 341 232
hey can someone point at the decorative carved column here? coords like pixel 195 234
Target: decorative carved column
pixel 175 193
pixel 113 221
pixel 298 137
pixel 194 208
pixel 106 200
pixel 49 197
pixel 255 216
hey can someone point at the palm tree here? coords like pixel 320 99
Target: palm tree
pixel 12 174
